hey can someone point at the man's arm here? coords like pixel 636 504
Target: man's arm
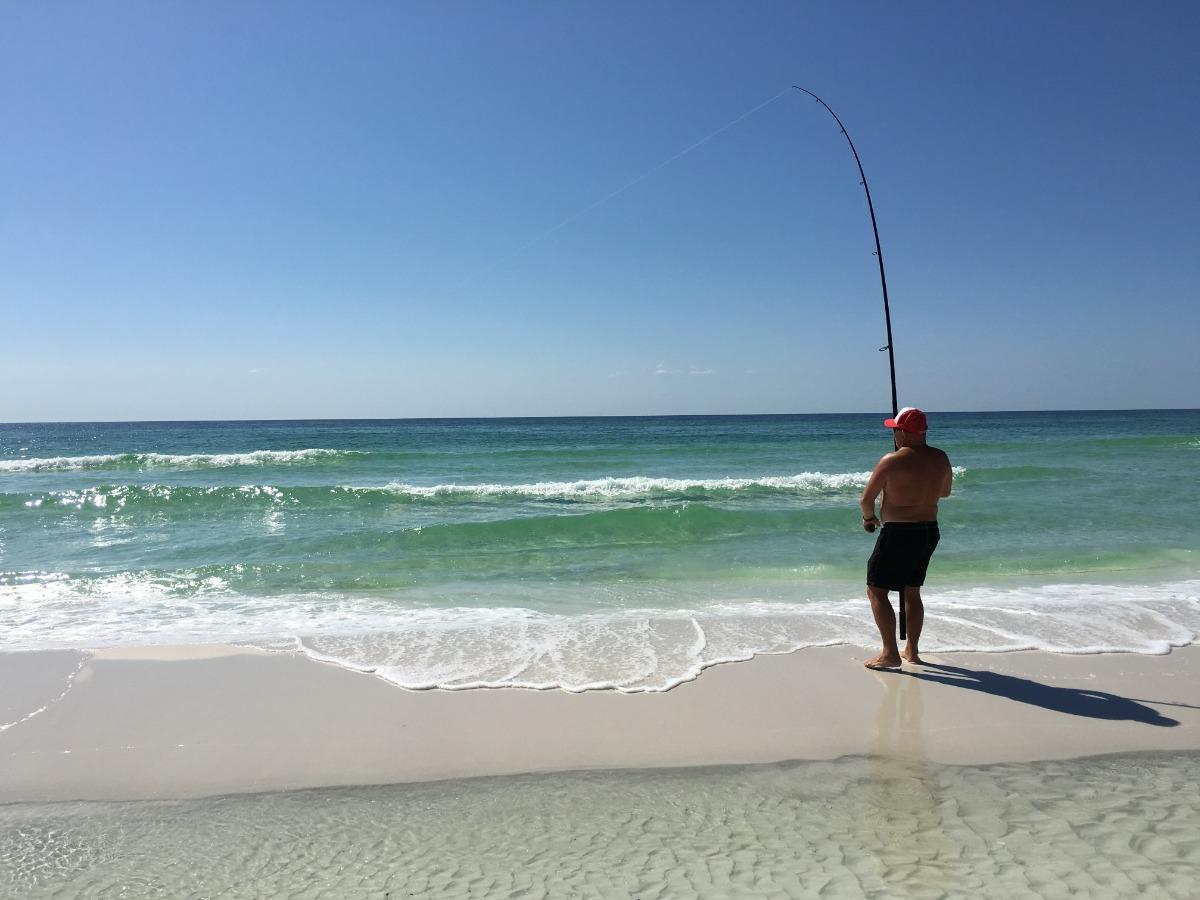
pixel 948 479
pixel 874 488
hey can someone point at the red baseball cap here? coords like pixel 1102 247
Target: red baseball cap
pixel 909 419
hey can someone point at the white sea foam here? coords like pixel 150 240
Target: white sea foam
pixel 650 648
pixel 119 496
pixel 655 650
pixel 642 485
pixel 637 486
pixel 167 460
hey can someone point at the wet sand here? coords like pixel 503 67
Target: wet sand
pixel 199 721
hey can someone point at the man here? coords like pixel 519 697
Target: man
pixel 912 480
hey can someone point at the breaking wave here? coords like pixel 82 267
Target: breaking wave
pixel 639 487
pixel 170 460
pixel 129 497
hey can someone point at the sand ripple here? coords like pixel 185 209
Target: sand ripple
pixel 1112 826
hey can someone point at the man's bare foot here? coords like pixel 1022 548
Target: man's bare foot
pixel 911 657
pixel 883 661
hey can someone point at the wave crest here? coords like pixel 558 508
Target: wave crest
pixel 639 486
pixel 600 490
pixel 169 460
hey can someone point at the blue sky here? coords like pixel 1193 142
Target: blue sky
pixel 278 210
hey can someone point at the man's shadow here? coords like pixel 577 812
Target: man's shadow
pixel 1075 701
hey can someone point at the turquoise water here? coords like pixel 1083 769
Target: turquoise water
pixel 585 552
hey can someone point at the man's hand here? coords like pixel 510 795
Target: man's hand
pixel 875 486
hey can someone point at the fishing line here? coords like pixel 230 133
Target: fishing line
pixel 612 195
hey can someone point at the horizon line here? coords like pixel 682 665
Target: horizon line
pixel 952 412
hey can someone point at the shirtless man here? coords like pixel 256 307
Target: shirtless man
pixel 912 480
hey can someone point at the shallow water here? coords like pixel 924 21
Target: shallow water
pixel 1114 826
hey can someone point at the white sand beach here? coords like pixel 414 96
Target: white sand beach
pixel 197 721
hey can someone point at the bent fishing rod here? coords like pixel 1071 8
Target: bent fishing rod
pixel 887 312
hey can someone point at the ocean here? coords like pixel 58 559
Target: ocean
pixel 581 553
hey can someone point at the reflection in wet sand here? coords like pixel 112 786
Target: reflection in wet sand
pixel 903 789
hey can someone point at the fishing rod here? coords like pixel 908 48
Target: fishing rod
pixel 887 312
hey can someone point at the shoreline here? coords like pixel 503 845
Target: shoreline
pixel 204 720
pixel 635 648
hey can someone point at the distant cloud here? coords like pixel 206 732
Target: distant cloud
pixel 749 371
pixel 255 371
pixel 693 370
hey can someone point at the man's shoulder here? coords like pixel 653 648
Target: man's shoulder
pixel 940 454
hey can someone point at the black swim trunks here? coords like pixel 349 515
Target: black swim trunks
pixel 901 555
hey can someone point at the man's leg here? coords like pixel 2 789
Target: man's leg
pixel 885 620
pixel 914 614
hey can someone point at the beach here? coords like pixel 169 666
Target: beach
pixel 592 658
pixel 459 453
pixel 223 771
pixel 194 722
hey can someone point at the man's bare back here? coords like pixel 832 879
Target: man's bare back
pixel 912 479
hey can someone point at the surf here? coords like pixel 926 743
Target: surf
pixel 170 460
